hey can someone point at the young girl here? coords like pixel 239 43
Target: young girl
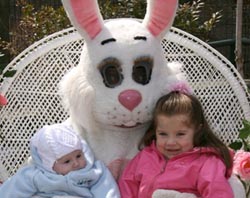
pixel 180 152
pixel 63 165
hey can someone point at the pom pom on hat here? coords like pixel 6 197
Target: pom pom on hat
pixel 54 141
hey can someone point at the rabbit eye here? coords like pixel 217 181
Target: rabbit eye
pixel 142 70
pixel 111 72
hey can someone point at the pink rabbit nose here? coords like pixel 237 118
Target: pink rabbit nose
pixel 130 99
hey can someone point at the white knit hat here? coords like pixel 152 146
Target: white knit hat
pixel 54 141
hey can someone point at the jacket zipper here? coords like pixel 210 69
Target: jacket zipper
pixel 153 180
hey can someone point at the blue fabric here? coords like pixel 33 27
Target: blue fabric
pixel 94 180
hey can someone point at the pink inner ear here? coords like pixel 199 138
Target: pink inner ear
pixel 87 17
pixel 163 13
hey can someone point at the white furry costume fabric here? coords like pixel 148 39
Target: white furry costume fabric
pixel 122 72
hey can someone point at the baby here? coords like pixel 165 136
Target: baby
pixel 62 165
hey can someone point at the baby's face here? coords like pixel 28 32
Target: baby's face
pixel 70 162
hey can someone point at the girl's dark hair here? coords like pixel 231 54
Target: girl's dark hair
pixel 176 103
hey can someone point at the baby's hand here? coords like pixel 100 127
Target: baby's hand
pixel 161 193
pixel 116 167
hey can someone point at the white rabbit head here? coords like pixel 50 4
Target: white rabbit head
pixel 122 70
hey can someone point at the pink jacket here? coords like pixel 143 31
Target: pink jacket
pixel 200 171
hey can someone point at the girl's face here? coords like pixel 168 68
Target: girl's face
pixel 174 135
pixel 70 162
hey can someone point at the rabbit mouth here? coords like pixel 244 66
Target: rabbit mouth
pixel 130 124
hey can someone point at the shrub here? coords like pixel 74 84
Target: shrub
pixel 36 24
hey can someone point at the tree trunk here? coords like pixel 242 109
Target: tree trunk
pixel 238 42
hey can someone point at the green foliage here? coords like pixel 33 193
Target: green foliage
pixel 243 141
pixel 122 8
pixel 189 19
pixel 33 26
pixel 36 24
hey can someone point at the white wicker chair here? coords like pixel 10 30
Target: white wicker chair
pixel 34 101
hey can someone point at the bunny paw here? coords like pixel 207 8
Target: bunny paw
pixel 171 194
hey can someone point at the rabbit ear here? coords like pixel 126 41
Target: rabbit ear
pixel 160 16
pixel 85 16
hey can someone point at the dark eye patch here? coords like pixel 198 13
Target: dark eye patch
pixel 142 70
pixel 110 69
